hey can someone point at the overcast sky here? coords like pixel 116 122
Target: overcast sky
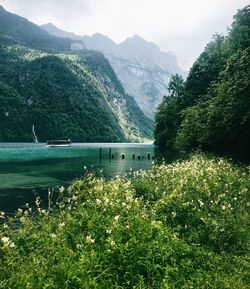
pixel 184 26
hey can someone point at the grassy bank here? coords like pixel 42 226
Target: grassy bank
pixel 184 225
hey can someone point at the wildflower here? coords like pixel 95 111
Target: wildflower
pixel 7 243
pixel 109 231
pixel 19 211
pixel 38 201
pixel 223 207
pixel 61 189
pixel 5 226
pixel 2 215
pixel 22 219
pixel 53 236
pixel 112 243
pixel 85 167
pixel 98 201
pixel 201 203
pixel 89 240
pixel 174 214
pixel 61 225
pixel 5 239
pixel 117 218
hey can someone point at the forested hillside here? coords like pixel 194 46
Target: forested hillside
pixel 211 110
pixel 143 69
pixel 65 93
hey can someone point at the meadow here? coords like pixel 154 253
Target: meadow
pixel 180 225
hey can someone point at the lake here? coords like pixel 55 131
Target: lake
pixel 28 169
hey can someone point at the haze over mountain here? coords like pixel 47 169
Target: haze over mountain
pixel 64 90
pixel 143 69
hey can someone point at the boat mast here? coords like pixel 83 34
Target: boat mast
pixel 34 134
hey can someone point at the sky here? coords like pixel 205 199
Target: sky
pixel 183 26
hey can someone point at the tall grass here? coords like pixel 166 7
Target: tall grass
pixel 184 225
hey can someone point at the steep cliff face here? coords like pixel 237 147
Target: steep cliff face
pixel 143 69
pixel 64 90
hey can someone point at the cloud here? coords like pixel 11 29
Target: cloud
pixel 182 25
pixel 59 11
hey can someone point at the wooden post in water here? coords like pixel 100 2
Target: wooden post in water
pixel 148 156
pixel 110 153
pixel 123 156
pixel 100 153
pixel 133 156
pixel 139 157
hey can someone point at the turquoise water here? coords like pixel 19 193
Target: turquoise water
pixel 30 169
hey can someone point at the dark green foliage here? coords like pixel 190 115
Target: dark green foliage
pixel 13 115
pixel 213 111
pixel 205 70
pixel 168 116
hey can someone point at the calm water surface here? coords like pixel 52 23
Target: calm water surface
pixel 30 169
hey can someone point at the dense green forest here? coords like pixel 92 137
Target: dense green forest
pixel 211 109
pixel 65 93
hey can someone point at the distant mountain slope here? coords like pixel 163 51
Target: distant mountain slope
pixel 143 69
pixel 30 34
pixel 63 92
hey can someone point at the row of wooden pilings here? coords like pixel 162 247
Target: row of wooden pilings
pixel 134 156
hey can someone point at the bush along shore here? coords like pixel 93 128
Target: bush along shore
pixel 183 225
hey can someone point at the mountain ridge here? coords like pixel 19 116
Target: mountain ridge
pixel 65 91
pixel 143 69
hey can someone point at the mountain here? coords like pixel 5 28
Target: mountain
pixel 143 69
pixel 64 90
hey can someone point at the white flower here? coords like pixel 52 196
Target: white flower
pixel 174 214
pixel 98 201
pixel 19 211
pixel 5 226
pixel 117 218
pixel 201 203
pixel 22 219
pixel 53 236
pixel 223 207
pixel 89 240
pixel 61 225
pixel 61 189
pixel 112 243
pixel 5 239
pixel 37 201
pixel 2 215
pixel 7 242
pixel 109 231
pixel 12 245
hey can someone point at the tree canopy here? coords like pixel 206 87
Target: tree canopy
pixel 211 111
